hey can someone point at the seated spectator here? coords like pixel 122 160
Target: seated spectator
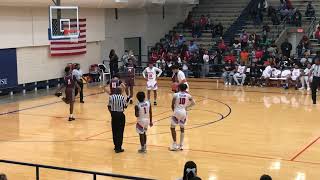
pixel 94 73
pixel 154 56
pixel 222 46
pixel 189 171
pixel 265 32
pixel 297 18
pixel 181 41
pixel 244 56
pixel 255 74
pixel 284 13
pixel 259 54
pixel 237 47
pixel 228 72
pixel 252 40
pixel 193 47
pixel 218 30
pixel 303 46
pixel 240 73
pixel 305 78
pixel 210 23
pixel 230 57
pixel 188 23
pixel 196 30
pixel 310 11
pixel 265 177
pixel 203 22
pixel 244 37
pixel 288 4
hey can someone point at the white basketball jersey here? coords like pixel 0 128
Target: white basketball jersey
pixel 144 110
pixel 152 73
pixel 182 100
pixel 296 72
pixel 241 69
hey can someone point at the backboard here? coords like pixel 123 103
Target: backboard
pixel 63 22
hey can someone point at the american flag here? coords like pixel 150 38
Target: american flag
pixel 70 46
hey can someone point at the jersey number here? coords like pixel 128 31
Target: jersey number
pixel 114 85
pixel 182 101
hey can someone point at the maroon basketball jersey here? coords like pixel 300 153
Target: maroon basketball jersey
pixel 130 71
pixel 114 84
pixel 69 81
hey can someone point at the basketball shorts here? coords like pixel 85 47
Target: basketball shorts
pixel 179 118
pixel 152 85
pixel 142 126
pixel 130 82
pixel 294 78
pixel 70 97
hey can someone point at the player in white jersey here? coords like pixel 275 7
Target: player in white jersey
pixel 305 78
pixel 181 102
pixel 143 112
pixel 295 76
pixel 151 73
pixel 179 76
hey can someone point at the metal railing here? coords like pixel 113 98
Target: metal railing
pixel 93 173
pixel 311 27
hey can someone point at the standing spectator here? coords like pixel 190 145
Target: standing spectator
pixel 188 23
pixel 219 29
pixel 203 22
pixel 228 72
pixel 286 48
pixel 297 18
pixel 244 56
pixel 206 65
pixel 181 41
pixel 240 73
pixel 310 12
pixel 210 22
pixel 244 37
pixel 193 48
pixel 78 74
pixel 116 106
pixel 315 72
pixel 265 32
pixel 113 62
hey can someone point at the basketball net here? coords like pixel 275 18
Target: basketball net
pixel 72 34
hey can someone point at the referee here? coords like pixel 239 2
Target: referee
pixel 78 74
pixel 315 73
pixel 116 106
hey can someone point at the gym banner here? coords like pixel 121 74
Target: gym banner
pixel 8 68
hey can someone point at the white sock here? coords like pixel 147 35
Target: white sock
pixel 181 138
pixel 71 115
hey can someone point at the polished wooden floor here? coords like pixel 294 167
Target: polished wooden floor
pixel 232 133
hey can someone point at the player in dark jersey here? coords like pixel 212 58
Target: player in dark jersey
pixel 130 79
pixel 70 84
pixel 114 84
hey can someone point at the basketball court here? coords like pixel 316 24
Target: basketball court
pixel 232 133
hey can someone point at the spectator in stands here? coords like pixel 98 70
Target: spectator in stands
pixel 265 177
pixel 288 4
pixel 252 40
pixel 218 30
pixel 286 48
pixel 316 57
pixel 303 46
pixel 203 22
pixel 240 73
pixel 310 11
pixel 222 47
pixel 206 65
pixel 124 58
pixel 188 23
pixel 3 177
pixel 94 73
pixel 181 41
pixel 237 47
pixel 193 47
pixel 210 23
pixel 244 56
pixel 305 60
pixel 244 37
pixel 196 30
pixel 154 56
pixel 255 74
pixel 230 57
pixel 297 18
pixel 272 13
pixel 258 54
pixel 265 32
pixel 228 72
pixel 113 62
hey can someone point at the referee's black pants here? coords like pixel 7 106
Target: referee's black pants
pixel 80 82
pixel 118 121
pixel 314 86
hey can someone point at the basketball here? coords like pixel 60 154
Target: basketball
pixel 174 86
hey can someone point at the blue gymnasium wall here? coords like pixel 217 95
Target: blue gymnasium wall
pixel 8 68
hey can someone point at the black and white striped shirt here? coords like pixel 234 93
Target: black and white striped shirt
pixel 117 103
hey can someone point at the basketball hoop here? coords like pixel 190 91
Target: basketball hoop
pixel 72 34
